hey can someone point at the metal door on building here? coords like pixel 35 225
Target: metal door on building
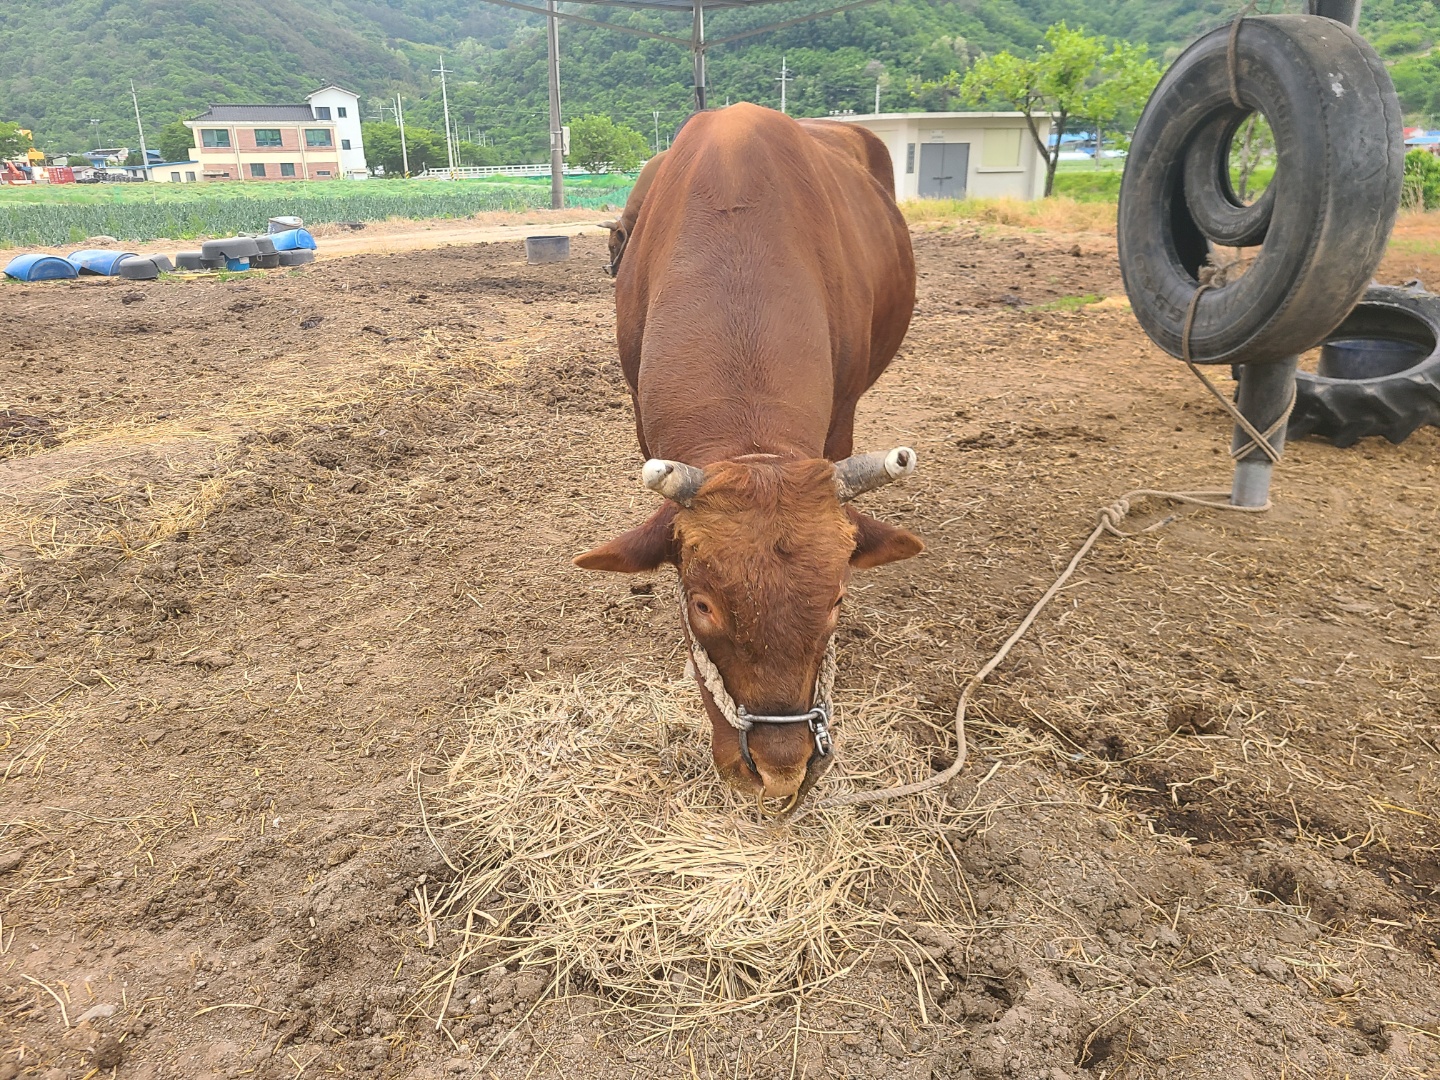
pixel 943 168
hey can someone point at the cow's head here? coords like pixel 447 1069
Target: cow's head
pixel 765 548
pixel 619 237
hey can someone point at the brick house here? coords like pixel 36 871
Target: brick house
pixel 319 140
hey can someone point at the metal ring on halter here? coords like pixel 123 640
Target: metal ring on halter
pixel 817 718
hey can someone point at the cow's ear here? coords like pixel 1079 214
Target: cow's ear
pixel 877 543
pixel 643 548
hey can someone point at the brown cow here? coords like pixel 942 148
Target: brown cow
pixel 767 282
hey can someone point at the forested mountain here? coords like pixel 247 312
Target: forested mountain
pixel 66 63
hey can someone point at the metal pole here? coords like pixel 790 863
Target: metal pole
pixel 400 119
pixel 144 154
pixel 877 97
pixel 557 133
pixel 1265 391
pixel 783 81
pixel 656 114
pixel 697 51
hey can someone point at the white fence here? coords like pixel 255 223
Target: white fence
pixel 480 172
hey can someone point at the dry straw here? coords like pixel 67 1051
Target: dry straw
pixel 594 842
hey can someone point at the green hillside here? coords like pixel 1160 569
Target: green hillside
pixel 64 63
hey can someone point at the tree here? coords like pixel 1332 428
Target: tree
pixel 426 148
pixel 176 141
pixel 599 144
pixel 12 143
pixel 1074 75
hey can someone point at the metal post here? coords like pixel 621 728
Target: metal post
pixel 697 51
pixel 784 81
pixel 1265 391
pixel 557 134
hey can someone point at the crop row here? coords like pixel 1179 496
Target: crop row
pixel 58 223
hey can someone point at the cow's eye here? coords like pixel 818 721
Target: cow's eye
pixel 838 601
pixel 702 607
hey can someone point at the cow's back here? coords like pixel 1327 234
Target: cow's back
pixel 769 268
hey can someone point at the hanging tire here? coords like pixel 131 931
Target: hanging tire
pixel 1324 221
pixel 1379 371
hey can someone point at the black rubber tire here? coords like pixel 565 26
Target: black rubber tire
pixel 138 268
pixel 1214 207
pixel 264 261
pixel 264 245
pixel 297 257
pixel 163 263
pixel 1336 120
pixel 230 247
pixel 1345 410
pixel 189 260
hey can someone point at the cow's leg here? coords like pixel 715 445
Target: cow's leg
pixel 840 442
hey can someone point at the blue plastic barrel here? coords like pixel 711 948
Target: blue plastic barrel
pixel 99 261
pixel 293 239
pixel 40 268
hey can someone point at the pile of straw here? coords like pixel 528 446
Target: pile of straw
pixel 594 842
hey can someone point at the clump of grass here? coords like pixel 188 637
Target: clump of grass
pixel 1056 213
pixel 594 842
pixel 1070 303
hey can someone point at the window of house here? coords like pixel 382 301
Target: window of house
pixel 344 144
pixel 267 136
pixel 257 170
pixel 322 112
pixel 214 137
pixel 909 157
pixel 287 168
pixel 1001 149
pixel 340 112
pixel 317 137
pixel 189 177
pixel 322 172
pixel 174 177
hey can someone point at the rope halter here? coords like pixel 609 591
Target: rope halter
pixel 739 718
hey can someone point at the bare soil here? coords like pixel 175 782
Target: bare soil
pixel 264 541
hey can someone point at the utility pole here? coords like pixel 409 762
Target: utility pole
pixel 95 132
pixel 697 51
pixel 144 154
pixel 445 99
pixel 877 97
pixel 400 121
pixel 782 80
pixel 557 133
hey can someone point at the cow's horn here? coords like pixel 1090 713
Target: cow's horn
pixel 611 225
pixel 675 480
pixel 866 472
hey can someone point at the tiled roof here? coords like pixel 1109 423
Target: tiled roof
pixel 254 114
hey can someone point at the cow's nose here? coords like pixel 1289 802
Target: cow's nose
pixel 781 755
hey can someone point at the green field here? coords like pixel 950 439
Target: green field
pixel 43 216
pixel 1086 182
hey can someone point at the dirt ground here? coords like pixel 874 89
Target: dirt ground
pixel 264 541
